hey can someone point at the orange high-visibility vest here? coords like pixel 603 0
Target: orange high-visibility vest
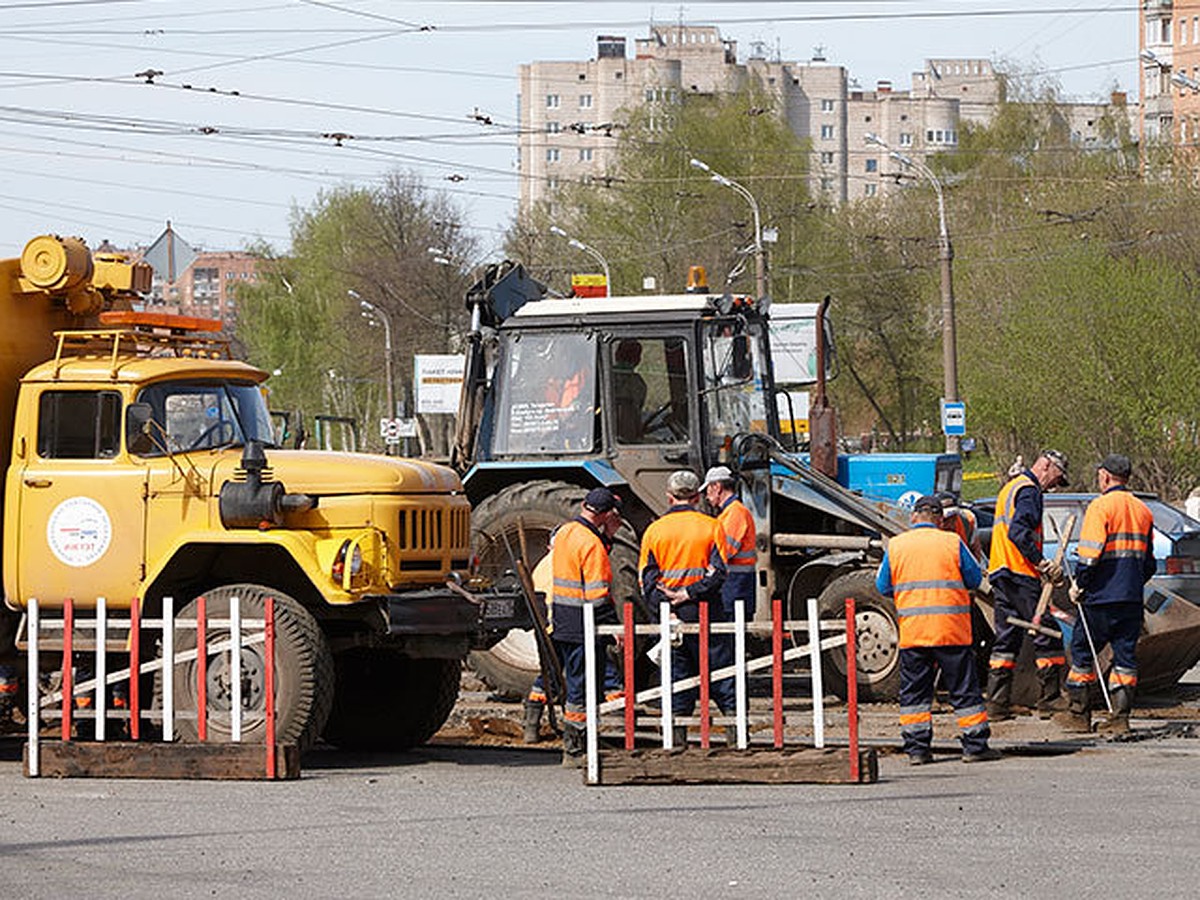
pixel 682 542
pixel 582 574
pixel 961 523
pixel 737 535
pixel 1004 553
pixel 932 603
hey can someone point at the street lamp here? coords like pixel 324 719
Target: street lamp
pixel 946 256
pixel 373 313
pixel 592 251
pixel 760 266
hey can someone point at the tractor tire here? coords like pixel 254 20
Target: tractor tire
pixel 388 701
pixel 510 666
pixel 304 676
pixel 878 636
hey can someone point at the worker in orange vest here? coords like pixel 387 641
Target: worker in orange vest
pixel 1116 559
pixel 582 574
pixel 960 520
pixel 931 573
pixel 1015 569
pixel 680 563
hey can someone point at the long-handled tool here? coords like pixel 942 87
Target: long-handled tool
pixel 552 673
pixel 1036 626
pixel 1095 662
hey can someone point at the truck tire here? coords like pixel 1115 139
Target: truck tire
pixel 510 667
pixel 878 635
pixel 304 675
pixel 388 701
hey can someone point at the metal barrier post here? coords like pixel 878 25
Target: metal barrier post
pixel 852 686
pixel 235 670
pixel 705 677
pixel 201 670
pixel 101 666
pixel 168 669
pixel 135 668
pixel 739 664
pixel 31 685
pixel 664 668
pixel 589 695
pixel 630 682
pixel 269 682
pixel 818 686
pixel 777 667
pixel 68 668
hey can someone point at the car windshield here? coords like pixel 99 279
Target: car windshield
pixel 546 402
pixel 1170 520
pixel 205 415
pixel 1167 519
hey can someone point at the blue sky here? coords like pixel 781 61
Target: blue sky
pixel 242 124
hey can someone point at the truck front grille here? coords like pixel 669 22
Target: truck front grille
pixel 426 529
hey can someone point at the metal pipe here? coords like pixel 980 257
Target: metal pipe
pixel 827 542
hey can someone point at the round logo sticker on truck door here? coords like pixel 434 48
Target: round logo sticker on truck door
pixel 79 531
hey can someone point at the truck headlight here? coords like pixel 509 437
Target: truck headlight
pixel 348 562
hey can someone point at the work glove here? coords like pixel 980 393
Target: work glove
pixel 1075 593
pixel 1051 571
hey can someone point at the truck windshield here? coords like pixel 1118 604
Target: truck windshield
pixel 547 394
pixel 736 381
pixel 203 415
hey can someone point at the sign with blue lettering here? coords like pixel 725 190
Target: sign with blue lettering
pixel 954 418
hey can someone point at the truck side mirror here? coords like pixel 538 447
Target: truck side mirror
pixel 137 428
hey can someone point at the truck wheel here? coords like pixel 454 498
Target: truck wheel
pixel 304 678
pixel 388 701
pixel 510 666
pixel 878 656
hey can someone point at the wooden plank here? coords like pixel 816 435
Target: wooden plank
pixel 133 759
pixel 730 766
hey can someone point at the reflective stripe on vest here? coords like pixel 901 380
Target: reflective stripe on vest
pixel 582 571
pixel 933 604
pixel 682 542
pixel 1004 553
pixel 736 526
pixel 1116 525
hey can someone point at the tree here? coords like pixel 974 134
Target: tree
pixel 302 319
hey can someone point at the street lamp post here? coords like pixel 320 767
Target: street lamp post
pixel 946 258
pixel 592 251
pixel 760 265
pixel 373 313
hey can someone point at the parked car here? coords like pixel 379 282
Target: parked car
pixel 1176 537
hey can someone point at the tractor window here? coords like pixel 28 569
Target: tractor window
pixel 547 394
pixel 650 390
pixel 736 379
pixel 79 425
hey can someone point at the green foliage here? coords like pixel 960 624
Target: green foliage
pixel 301 318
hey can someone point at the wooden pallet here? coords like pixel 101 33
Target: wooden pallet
pixel 136 759
pixel 731 766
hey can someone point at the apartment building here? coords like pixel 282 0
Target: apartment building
pixel 571 112
pixel 1170 72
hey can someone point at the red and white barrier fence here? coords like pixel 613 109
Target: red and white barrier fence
pixel 242 632
pixel 668 629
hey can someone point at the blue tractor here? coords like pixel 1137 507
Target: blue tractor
pixel 564 394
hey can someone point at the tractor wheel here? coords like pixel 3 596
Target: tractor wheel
pixel 304 679
pixel 878 636
pixel 388 701
pixel 538 507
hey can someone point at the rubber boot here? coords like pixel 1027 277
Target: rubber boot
pixel 533 721
pixel 1118 720
pixel 1078 717
pixel 999 695
pixel 1050 697
pixel 679 736
pixel 574 741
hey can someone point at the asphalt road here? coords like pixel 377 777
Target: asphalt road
pixel 1119 821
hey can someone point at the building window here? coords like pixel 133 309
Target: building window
pixel 872 165
pixel 551 184
pixel 870 189
pixel 827 157
pixel 585 154
pixel 827 132
pixel 585 101
pixel 553 127
pixel 826 106
pixel 551 154
pixel 552 101
pixel 906 139
pixel 826 184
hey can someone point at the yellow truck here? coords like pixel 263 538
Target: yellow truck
pixel 142 469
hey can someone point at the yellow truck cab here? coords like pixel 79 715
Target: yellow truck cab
pixel 142 469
